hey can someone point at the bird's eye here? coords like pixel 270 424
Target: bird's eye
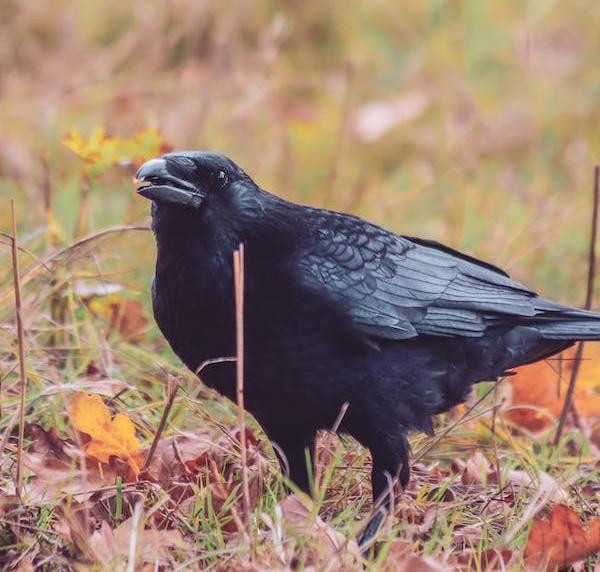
pixel 219 178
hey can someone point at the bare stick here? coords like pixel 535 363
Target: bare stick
pixel 238 280
pixel 21 350
pixel 568 404
pixel 172 387
pixel 495 442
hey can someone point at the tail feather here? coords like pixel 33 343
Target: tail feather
pixel 571 330
pixel 557 322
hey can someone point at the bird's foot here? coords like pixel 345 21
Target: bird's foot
pixel 369 532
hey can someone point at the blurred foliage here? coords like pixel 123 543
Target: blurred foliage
pixel 497 161
pixel 101 151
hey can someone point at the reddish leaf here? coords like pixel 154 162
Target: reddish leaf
pixel 559 540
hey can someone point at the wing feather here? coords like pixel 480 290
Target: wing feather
pixel 397 287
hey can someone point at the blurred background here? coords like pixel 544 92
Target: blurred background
pixel 470 122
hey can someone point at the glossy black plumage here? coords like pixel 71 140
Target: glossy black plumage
pixel 336 309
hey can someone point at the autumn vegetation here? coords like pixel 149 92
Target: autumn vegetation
pixel 472 123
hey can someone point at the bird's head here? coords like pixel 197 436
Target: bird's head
pixel 195 191
pixel 189 179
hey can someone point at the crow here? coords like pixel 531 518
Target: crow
pixel 337 310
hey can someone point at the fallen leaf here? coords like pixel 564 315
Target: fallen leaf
pixel 59 466
pixel 477 469
pixel 490 560
pixel 538 390
pixel 108 436
pixel 183 462
pixel 541 483
pixel 128 317
pixel 153 546
pixel 25 565
pixel 298 520
pixel 401 559
pixel 559 540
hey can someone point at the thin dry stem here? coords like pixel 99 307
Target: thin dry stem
pixel 21 350
pixel 568 406
pixel 172 387
pixel 495 444
pixel 238 278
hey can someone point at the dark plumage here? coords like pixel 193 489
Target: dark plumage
pixel 336 309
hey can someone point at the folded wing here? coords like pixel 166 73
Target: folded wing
pixel 397 287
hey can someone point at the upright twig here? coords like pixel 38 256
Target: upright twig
pixel 495 444
pixel 21 349
pixel 238 281
pixel 568 404
pixel 172 387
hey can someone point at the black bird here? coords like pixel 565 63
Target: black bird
pixel 336 310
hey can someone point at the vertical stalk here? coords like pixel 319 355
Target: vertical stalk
pixel 21 350
pixel 238 279
pixel 568 404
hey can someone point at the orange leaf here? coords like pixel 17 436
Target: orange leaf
pixel 128 317
pixel 560 540
pixel 539 389
pixel 108 436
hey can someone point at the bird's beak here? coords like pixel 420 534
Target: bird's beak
pixel 154 182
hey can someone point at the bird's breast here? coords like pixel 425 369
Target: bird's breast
pixel 194 308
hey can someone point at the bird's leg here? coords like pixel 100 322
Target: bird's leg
pixel 390 462
pixel 296 457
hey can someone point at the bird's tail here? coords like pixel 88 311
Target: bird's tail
pixel 557 322
pixel 551 330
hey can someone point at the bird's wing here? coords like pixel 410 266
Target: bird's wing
pixel 398 287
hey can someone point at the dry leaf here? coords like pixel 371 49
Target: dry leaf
pixel 128 317
pixel 110 545
pixel 325 541
pixel 489 560
pixel 559 540
pixel 477 469
pixel 108 436
pixel 183 462
pixel 56 465
pixel 538 390
pixel 541 483
pixel 401 559
pixel 25 565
